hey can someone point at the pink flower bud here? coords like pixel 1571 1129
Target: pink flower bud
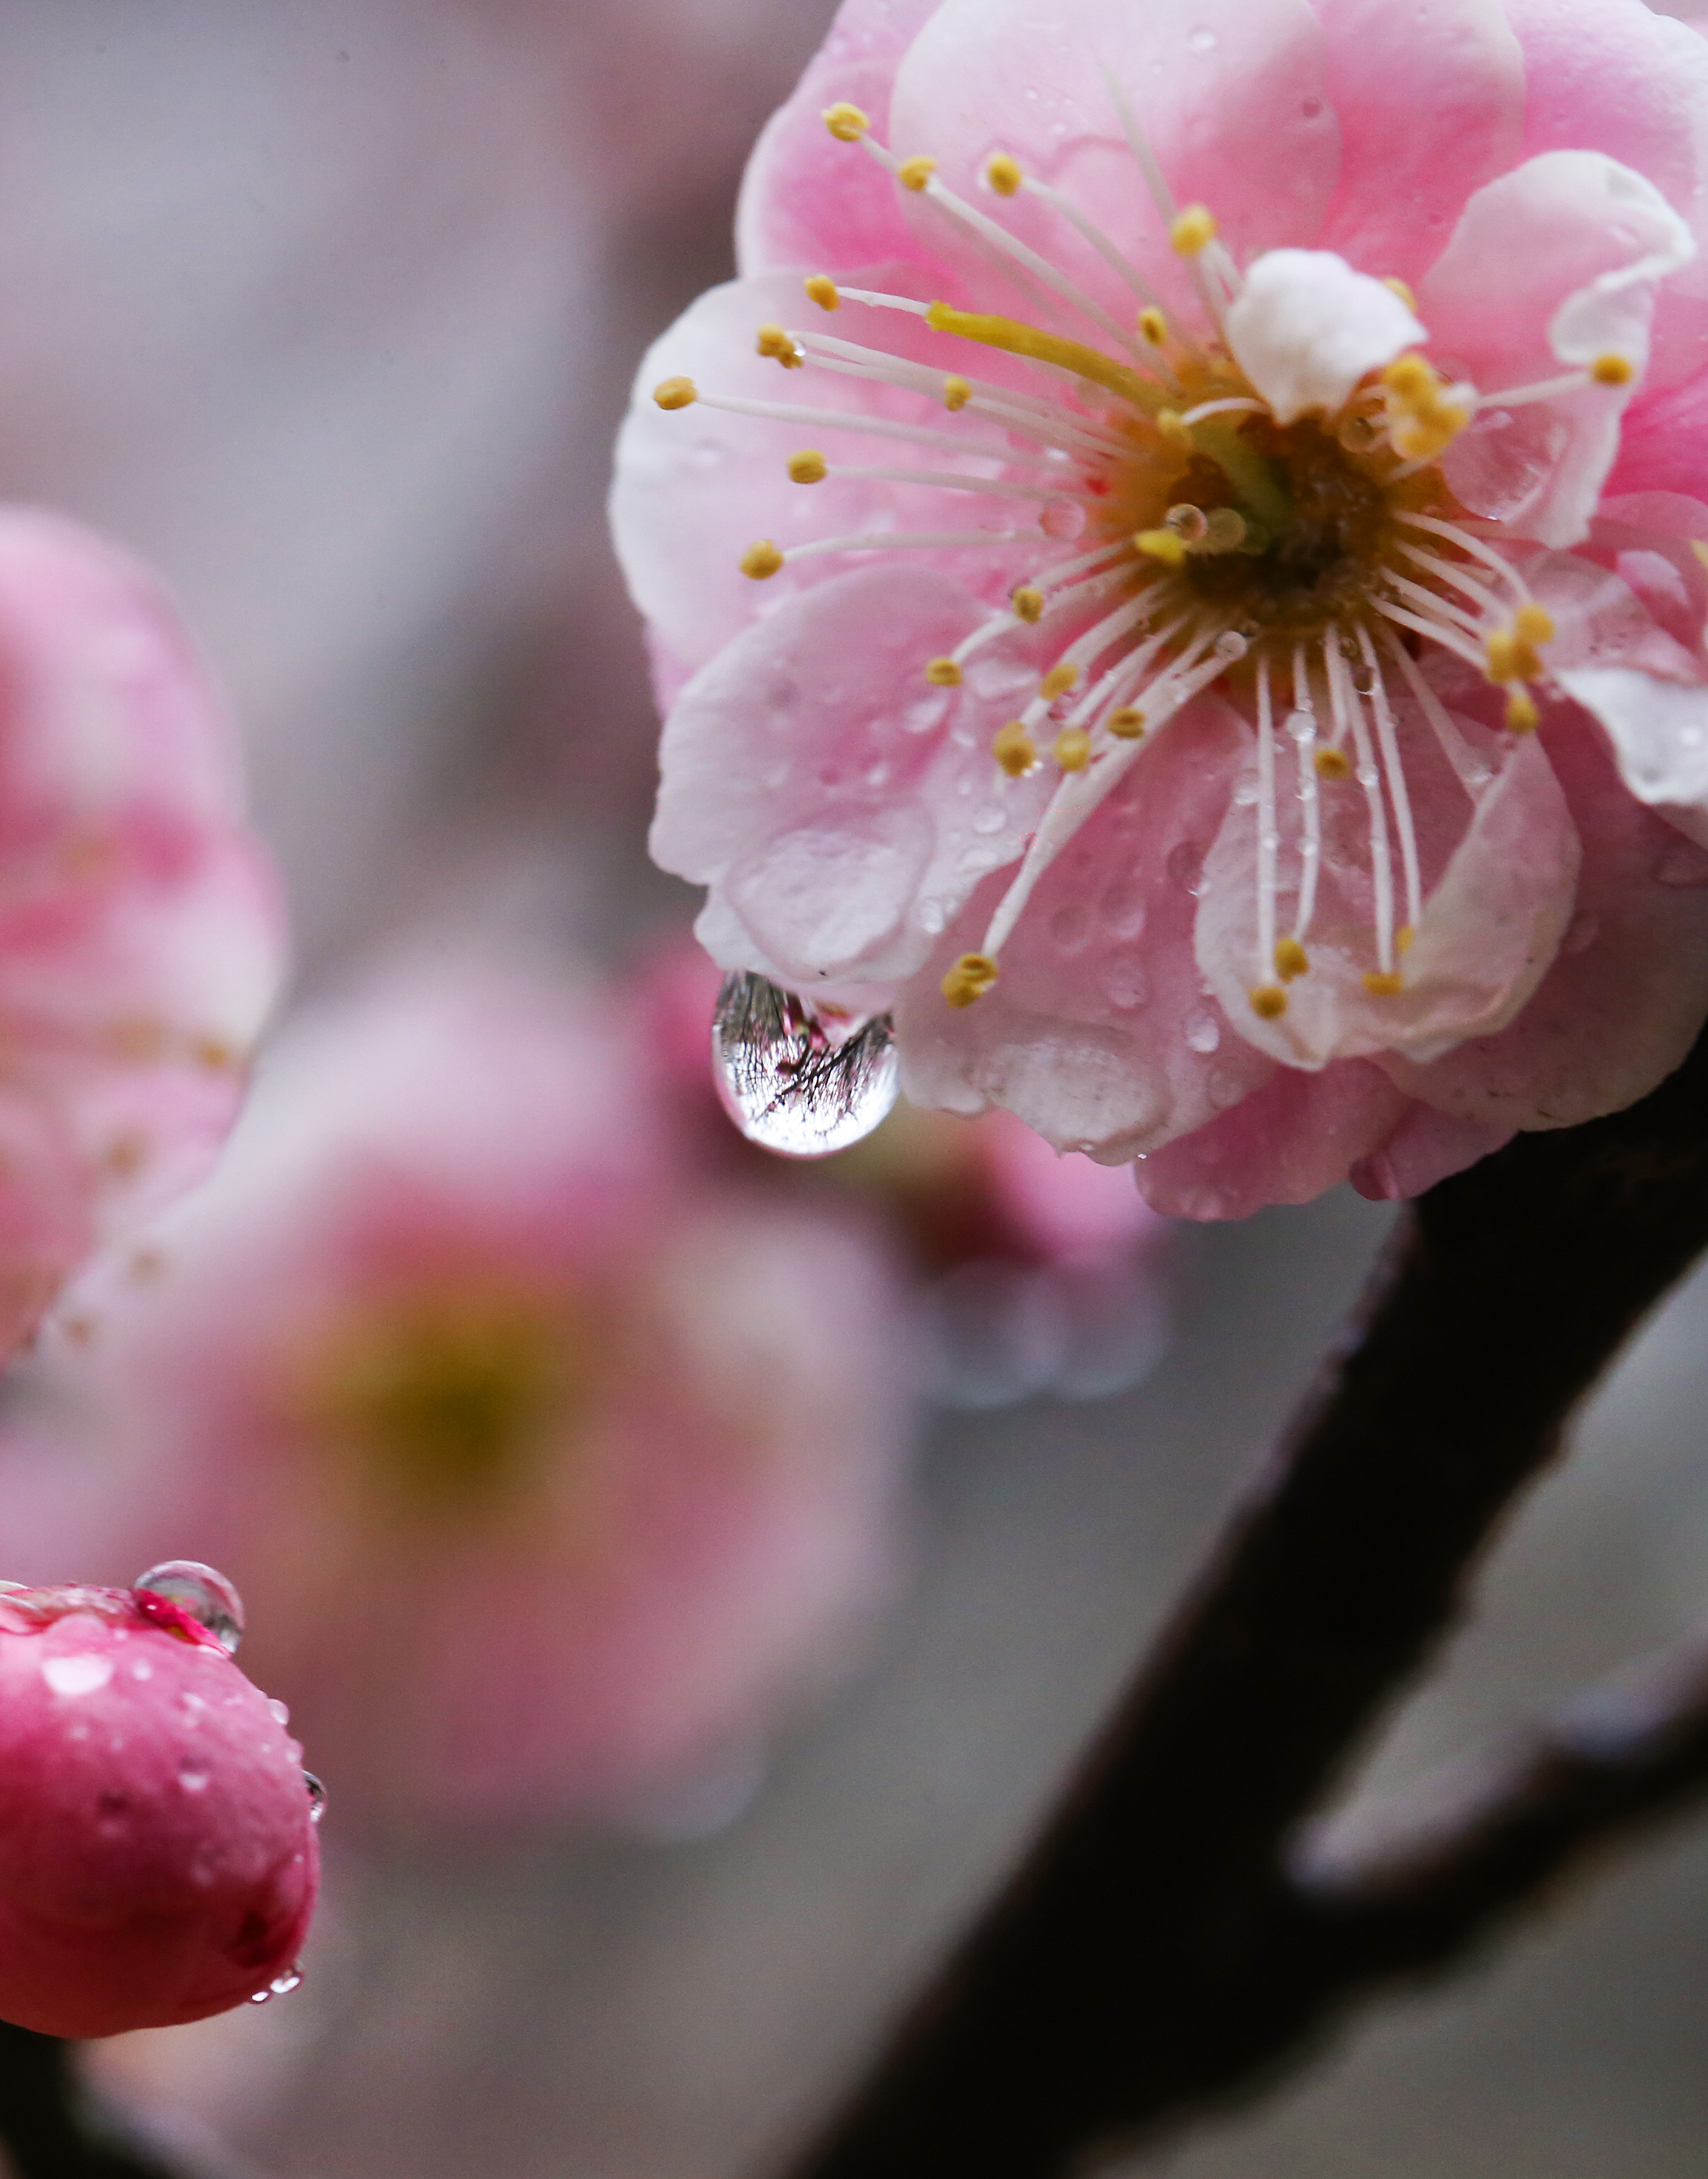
pixel 158 1859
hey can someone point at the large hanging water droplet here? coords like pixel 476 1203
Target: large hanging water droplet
pixel 205 1593
pixel 317 1797
pixel 794 1084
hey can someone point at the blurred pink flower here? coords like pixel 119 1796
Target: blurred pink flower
pixel 1042 1271
pixel 551 1466
pixel 158 1860
pixel 1287 361
pixel 141 935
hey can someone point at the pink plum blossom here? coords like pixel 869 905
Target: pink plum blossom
pixel 1176 572
pixel 140 927
pixel 553 1467
pixel 158 1859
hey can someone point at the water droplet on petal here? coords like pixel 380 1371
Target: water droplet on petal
pixel 1231 645
pixel 1185 866
pixel 317 1797
pixel 280 1711
pixel 791 1082
pixel 1202 42
pixel 191 1779
pixel 77 1676
pixel 1203 1032
pixel 205 1593
pixel 1063 519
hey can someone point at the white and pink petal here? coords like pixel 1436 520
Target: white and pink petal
pixel 1099 1034
pixel 840 808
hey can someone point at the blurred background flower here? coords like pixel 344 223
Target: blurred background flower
pixel 547 1462
pixel 328 309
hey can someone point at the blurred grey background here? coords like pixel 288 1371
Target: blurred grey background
pixel 329 308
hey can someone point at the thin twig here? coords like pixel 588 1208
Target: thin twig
pixel 1501 1834
pixel 1154 1955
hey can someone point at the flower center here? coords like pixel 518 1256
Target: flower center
pixel 1186 532
pixel 445 1393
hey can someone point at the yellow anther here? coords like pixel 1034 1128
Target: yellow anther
pixel 1161 545
pixel 1170 427
pixel 846 123
pixel 1410 377
pixel 1612 370
pixel 1383 983
pixel 1522 715
pixel 773 341
pixel 971 978
pixel 1127 723
pixel 957 392
pixel 1003 174
pixel 1014 749
pixel 1291 959
pixel 1193 229
pixel 675 393
pixel 1153 325
pixel 943 673
pixel 760 560
pixel 1332 764
pixel 1699 545
pixel 1057 681
pixel 823 291
pixel 1533 623
pixel 1073 748
pixel 914 173
pixel 1400 288
pixel 1422 439
pixel 809 466
pixel 1269 1002
pixel 1403 939
pixel 1027 604
pixel 1501 656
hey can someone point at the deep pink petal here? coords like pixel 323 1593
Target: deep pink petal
pixel 1425 1147
pixel 160 1884
pixel 1292 1136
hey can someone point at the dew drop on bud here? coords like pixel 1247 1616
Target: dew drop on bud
pixel 281 1985
pixel 207 1596
pixel 317 1797
pixel 795 1084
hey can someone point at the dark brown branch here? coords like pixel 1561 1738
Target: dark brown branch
pixel 1152 1954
